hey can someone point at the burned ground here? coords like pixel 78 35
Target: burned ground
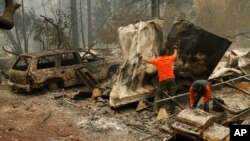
pixel 41 116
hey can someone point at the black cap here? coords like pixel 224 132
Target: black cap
pixel 162 51
pixel 197 87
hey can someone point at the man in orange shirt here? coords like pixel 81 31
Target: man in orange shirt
pixel 165 69
pixel 200 88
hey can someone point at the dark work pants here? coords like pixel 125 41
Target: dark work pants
pixel 169 86
pixel 205 107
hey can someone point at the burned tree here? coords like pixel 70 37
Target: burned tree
pixel 6 20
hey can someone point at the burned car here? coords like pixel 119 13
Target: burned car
pixel 50 69
pixel 100 67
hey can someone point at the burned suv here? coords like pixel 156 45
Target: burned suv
pixel 51 69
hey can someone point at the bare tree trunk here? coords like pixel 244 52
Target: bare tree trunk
pixel 82 27
pixel 74 24
pixel 155 8
pixel 6 21
pixel 24 30
pixel 59 30
pixel 60 8
pixel 89 23
pixel 52 9
pixel 18 37
pixel 18 49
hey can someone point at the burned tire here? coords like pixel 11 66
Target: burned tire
pixel 54 84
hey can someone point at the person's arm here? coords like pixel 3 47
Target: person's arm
pixel 192 96
pixel 145 60
pixel 152 61
pixel 175 50
pixel 207 94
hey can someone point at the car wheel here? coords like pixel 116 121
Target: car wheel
pixel 53 85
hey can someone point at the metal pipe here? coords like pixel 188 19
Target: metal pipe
pixel 177 103
pixel 241 115
pixel 215 85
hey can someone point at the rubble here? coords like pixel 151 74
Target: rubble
pixel 197 124
pixel 216 132
pixel 239 103
pixel 137 81
pixel 234 62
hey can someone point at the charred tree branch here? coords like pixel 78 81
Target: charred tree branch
pixel 10 51
pixel 6 20
pixel 57 28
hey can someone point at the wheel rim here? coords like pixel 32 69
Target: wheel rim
pixel 53 86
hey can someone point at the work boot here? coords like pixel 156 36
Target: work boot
pixel 162 114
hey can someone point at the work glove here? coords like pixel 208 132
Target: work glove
pixel 175 46
pixel 192 107
pixel 201 106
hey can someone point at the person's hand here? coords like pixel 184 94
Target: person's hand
pixel 201 106
pixel 192 107
pixel 175 47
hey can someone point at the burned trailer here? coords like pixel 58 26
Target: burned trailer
pixel 199 52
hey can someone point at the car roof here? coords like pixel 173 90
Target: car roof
pixel 45 53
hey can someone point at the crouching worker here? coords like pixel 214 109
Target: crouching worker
pixel 199 89
pixel 164 64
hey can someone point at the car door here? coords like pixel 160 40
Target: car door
pixel 45 68
pixel 96 65
pixel 68 62
pixel 18 73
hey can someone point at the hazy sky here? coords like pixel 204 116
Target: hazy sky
pixel 37 5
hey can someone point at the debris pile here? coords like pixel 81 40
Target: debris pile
pixel 239 103
pixel 199 52
pixel 235 62
pixel 197 124
pixel 137 80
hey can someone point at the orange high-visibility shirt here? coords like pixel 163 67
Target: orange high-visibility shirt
pixel 165 66
pixel 206 95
